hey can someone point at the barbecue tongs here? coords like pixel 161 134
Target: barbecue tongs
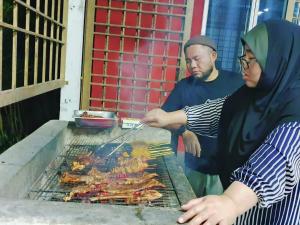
pixel 126 136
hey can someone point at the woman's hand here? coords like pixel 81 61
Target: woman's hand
pixel 156 118
pixel 222 209
pixel 210 210
pixel 191 143
pixel 160 118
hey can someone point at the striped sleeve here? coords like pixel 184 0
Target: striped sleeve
pixel 273 170
pixel 204 119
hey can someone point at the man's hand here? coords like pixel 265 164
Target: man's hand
pixel 210 210
pixel 191 143
pixel 160 118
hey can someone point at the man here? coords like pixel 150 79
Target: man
pixel 204 84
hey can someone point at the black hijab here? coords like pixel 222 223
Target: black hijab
pixel 250 114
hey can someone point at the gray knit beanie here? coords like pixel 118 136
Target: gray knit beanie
pixel 201 40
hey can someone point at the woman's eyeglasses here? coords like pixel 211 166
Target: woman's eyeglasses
pixel 244 62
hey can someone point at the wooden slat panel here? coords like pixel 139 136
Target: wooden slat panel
pixel 159 3
pixel 26 56
pixel 12 27
pixel 134 63
pixel 105 53
pixel 11 96
pixel 145 104
pixel 186 36
pixel 133 53
pixel 64 38
pixel 57 36
pixel 20 91
pixel 51 43
pixel 45 44
pixel 150 59
pixel 140 112
pixel 136 79
pixel 139 28
pixel 88 53
pixel 165 54
pixel 135 60
pixel 39 13
pixel 118 86
pixel 36 42
pixel 14 47
pixel 1 43
pixel 142 11
pixel 134 37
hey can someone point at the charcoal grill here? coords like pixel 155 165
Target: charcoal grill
pixel 30 193
pixel 49 188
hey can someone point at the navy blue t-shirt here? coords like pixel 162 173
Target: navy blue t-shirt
pixel 193 91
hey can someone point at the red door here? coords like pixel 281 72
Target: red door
pixel 136 53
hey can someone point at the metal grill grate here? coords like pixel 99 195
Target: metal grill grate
pixel 48 187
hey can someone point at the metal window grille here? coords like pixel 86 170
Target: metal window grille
pixel 293 11
pixel 226 21
pixel 136 52
pixel 296 13
pixel 32 48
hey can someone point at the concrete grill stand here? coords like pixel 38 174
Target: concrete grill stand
pixel 22 164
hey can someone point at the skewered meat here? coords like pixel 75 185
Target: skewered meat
pixel 76 166
pixel 125 161
pixel 98 174
pixel 93 176
pixel 130 197
pixel 136 180
pixel 121 188
pixel 140 149
pixel 115 187
pixel 82 161
pixel 125 155
pixel 83 191
pixel 130 165
pixel 126 182
pixel 106 192
pixel 68 178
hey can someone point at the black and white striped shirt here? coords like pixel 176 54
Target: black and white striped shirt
pixel 272 171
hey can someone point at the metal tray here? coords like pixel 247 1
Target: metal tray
pixel 99 119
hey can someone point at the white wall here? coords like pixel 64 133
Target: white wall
pixel 70 93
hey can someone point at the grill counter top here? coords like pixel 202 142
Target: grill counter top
pixel 24 163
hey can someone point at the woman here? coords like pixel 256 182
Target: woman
pixel 259 134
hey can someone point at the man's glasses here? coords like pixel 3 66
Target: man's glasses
pixel 245 63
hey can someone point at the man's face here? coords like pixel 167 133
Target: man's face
pixel 200 60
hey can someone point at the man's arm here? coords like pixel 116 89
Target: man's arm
pixel 191 143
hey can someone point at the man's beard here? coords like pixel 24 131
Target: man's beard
pixel 205 74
